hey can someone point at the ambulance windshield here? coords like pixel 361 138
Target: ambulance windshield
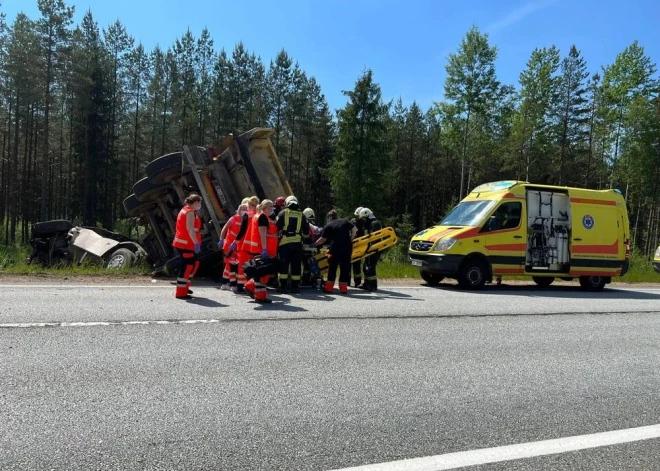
pixel 468 213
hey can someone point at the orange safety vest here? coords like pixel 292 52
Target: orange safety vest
pixel 241 243
pixel 253 238
pixel 232 231
pixel 182 238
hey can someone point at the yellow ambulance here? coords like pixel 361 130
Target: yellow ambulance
pixel 522 229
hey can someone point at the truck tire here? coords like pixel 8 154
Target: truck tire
pixel 165 168
pixel 145 191
pixel 592 283
pixel 49 227
pixel 134 207
pixel 472 275
pixel 120 258
pixel 543 280
pixel 430 278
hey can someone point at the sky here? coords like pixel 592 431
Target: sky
pixel 404 42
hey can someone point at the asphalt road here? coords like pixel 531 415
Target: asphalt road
pixel 322 382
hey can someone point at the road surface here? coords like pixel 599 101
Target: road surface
pixel 126 377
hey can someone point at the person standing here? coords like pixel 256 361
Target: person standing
pixel 340 233
pixel 293 227
pixel 187 242
pixel 371 225
pixel 357 266
pixel 227 238
pixel 261 240
pixel 239 244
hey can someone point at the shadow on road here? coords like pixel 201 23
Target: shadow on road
pixel 204 302
pixel 573 292
pixel 279 304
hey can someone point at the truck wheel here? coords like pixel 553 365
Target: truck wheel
pixel 145 191
pixel 120 258
pixel 49 227
pixel 134 207
pixel 430 278
pixel 543 280
pixel 592 283
pixel 164 169
pixel 472 275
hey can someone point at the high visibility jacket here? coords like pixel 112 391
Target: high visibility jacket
pixel 241 243
pixel 182 238
pixel 292 226
pixel 253 237
pixel 232 231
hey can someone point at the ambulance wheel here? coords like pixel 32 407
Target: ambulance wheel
pixel 593 283
pixel 543 280
pixel 472 275
pixel 430 278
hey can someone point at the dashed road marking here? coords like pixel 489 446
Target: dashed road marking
pixel 514 452
pixel 27 325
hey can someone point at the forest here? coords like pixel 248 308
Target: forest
pixel 84 107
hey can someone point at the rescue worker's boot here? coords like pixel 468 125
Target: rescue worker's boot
pixel 343 288
pixel 250 288
pixel 328 287
pixel 358 281
pixel 295 286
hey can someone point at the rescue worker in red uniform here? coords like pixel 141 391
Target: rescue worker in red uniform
pixel 187 240
pixel 340 233
pixel 261 240
pixel 227 238
pixel 293 227
pixel 371 225
pixel 239 244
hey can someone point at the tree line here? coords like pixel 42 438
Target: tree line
pixel 83 109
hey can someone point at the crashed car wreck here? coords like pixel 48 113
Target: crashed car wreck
pixel 58 242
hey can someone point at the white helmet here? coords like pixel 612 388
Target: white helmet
pixel 309 213
pixel 290 200
pixel 366 213
pixel 357 211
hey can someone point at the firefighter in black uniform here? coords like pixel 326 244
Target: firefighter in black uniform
pixel 371 225
pixel 293 227
pixel 357 266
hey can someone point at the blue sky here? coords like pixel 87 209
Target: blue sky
pixel 405 42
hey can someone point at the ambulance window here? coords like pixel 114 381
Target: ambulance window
pixel 508 215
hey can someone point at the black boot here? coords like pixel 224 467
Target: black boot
pixel 295 286
pixel 358 281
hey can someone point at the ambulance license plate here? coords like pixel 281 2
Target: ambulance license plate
pixel 417 263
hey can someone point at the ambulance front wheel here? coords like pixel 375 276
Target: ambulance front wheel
pixel 593 283
pixel 473 275
pixel 430 278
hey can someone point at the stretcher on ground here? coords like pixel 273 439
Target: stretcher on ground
pixel 363 247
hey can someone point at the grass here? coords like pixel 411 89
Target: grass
pixel 392 266
pixel 13 262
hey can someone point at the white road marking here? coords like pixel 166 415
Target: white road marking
pixel 515 452
pixel 26 325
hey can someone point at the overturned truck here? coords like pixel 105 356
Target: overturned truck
pixel 241 166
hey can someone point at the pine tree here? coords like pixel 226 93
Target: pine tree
pixel 471 83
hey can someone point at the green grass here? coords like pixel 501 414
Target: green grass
pixel 13 262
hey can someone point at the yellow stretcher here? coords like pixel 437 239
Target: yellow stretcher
pixel 363 247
